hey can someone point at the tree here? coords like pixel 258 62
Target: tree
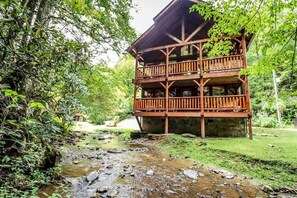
pixel 274 26
pixel 45 46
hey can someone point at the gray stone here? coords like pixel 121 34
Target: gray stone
pixel 92 176
pixel 229 176
pixel 188 135
pixel 191 174
pixel 102 190
pixel 150 173
pixel 170 192
pixel 267 188
pixel 91 192
pixel 113 193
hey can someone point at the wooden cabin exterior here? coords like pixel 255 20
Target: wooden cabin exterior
pixel 175 79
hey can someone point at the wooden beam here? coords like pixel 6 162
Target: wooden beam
pixel 226 114
pixel 162 85
pixel 182 44
pixel 171 84
pixel 241 80
pixel 195 81
pixel 183 28
pixel 170 51
pixel 150 114
pixel 135 86
pixel 250 127
pixel 202 127
pixel 166 125
pixel 163 52
pixel 206 82
pixel 196 31
pixel 172 37
pixel 139 124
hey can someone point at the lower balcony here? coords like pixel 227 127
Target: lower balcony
pixel 230 103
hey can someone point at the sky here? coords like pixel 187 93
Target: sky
pixel 146 11
pixel 143 16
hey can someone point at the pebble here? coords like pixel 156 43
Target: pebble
pixel 150 173
pixel 170 192
pixel 113 193
pixel 102 190
pixel 92 176
pixel 267 188
pixel 191 174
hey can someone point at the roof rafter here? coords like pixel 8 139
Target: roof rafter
pixel 196 31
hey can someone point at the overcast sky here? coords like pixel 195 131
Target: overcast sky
pixel 143 16
pixel 147 10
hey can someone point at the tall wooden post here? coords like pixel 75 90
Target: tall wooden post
pixel 201 92
pixel 247 89
pixel 166 92
pixel 135 83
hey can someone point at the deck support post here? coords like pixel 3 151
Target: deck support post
pixel 247 91
pixel 201 91
pixel 250 127
pixel 166 91
pixel 135 83
pixel 139 124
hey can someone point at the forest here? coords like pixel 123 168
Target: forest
pixel 53 65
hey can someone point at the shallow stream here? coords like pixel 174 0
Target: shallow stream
pixel 103 165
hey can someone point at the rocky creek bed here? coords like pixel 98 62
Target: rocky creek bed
pixel 101 164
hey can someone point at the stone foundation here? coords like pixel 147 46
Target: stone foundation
pixel 214 127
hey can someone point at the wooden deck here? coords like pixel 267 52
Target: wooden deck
pixel 212 67
pixel 230 103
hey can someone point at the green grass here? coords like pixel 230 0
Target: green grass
pixel 269 159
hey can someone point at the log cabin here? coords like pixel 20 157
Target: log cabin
pixel 179 89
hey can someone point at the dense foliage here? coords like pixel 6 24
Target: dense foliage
pixel 274 26
pixel 46 47
pixel 109 91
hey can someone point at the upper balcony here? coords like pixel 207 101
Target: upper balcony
pixel 211 67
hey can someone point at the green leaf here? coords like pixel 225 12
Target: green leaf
pixel 36 105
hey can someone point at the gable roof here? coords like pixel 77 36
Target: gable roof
pixel 169 22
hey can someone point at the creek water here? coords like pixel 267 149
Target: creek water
pixel 103 165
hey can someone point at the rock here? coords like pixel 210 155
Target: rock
pixel 109 167
pixel 170 192
pixel 92 176
pixel 114 151
pixel 201 144
pixel 191 174
pixel 229 176
pixel 75 162
pixel 102 190
pixel 113 193
pixel 188 135
pixel 164 160
pixel 267 189
pixel 201 174
pixel 91 192
pixel 237 185
pixel 150 173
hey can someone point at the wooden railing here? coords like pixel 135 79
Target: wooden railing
pixel 227 63
pixel 150 104
pixel 188 67
pixel 211 103
pixel 235 103
pixel 184 103
pixel 222 63
pixel 151 71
